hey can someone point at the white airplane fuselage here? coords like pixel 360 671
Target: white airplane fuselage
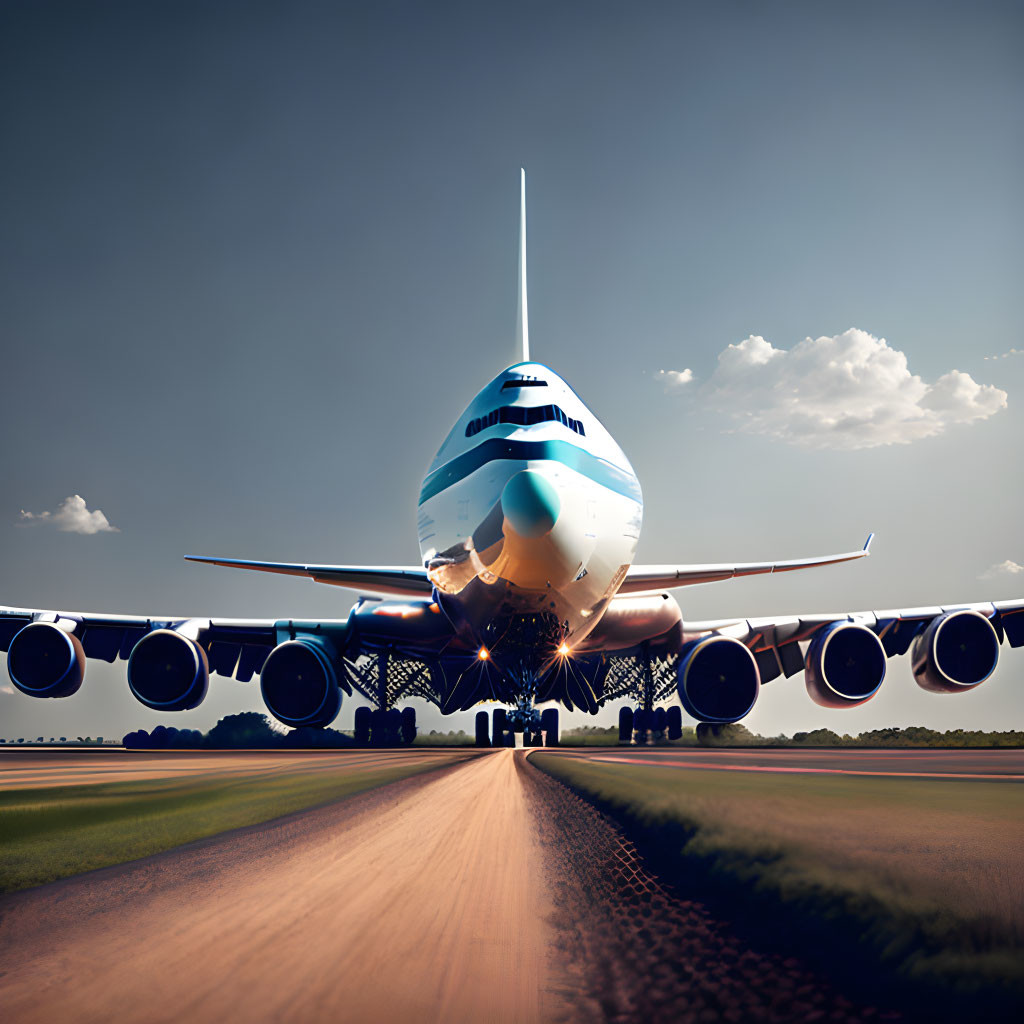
pixel 530 512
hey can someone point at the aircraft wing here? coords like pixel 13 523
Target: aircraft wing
pixel 398 580
pixel 234 647
pixel 775 641
pixel 642 578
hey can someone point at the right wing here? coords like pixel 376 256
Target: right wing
pixel 642 578
pixel 401 581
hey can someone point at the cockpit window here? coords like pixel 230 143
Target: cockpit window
pixel 524 382
pixel 524 416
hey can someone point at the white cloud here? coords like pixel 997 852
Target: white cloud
pixel 1001 569
pixel 675 379
pixel 1006 355
pixel 72 516
pixel 848 391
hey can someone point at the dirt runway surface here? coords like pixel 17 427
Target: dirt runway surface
pixel 421 901
pixel 34 769
pixel 482 892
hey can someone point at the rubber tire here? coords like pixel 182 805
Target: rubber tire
pixel 660 723
pixel 674 717
pixel 408 726
pixel 625 726
pixel 393 728
pixel 483 737
pixel 362 726
pixel 499 718
pixel 549 726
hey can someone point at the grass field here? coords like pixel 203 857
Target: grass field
pixel 52 833
pixel 923 878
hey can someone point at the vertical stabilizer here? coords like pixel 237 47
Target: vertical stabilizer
pixel 522 317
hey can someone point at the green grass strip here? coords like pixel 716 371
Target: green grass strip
pixel 48 834
pixel 867 871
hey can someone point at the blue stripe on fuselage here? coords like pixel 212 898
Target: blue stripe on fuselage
pixel 499 449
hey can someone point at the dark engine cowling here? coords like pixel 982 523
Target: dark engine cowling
pixel 845 665
pixel 46 661
pixel 718 679
pixel 958 650
pixel 299 685
pixel 168 671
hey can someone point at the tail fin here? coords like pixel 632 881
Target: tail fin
pixel 522 318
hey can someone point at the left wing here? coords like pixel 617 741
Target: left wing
pixel 642 578
pixel 399 580
pixel 233 647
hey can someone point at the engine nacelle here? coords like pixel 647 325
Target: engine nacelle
pixel 958 650
pixel 632 619
pixel 718 679
pixel 46 661
pixel 845 665
pixel 168 671
pixel 299 684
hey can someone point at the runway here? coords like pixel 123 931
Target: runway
pixel 42 767
pixel 981 765
pixel 483 891
pixel 387 907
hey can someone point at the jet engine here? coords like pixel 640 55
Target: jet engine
pixel 299 685
pixel 718 679
pixel 168 672
pixel 46 661
pixel 845 665
pixel 958 650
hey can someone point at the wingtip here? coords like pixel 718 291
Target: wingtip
pixel 867 544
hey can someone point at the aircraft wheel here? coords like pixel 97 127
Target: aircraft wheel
pixel 483 738
pixel 674 718
pixel 408 726
pixel 625 726
pixel 659 723
pixel 362 726
pixel 549 724
pixel 499 719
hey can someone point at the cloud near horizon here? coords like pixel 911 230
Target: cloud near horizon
pixel 1001 569
pixel 848 391
pixel 72 516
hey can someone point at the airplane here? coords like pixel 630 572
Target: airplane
pixel 527 594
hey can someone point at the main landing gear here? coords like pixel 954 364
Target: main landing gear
pixel 392 728
pixel 654 725
pixel 539 730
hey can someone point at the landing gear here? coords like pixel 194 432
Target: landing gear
pixel 501 734
pixel 549 725
pixel 654 726
pixel 483 738
pixel 392 728
pixel 625 726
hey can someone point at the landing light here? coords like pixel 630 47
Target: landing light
pixel 564 650
pixel 483 654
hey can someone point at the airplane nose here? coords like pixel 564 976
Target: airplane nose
pixel 530 503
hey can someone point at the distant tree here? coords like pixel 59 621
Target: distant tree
pixel 727 735
pixel 63 739
pixel 21 739
pixel 246 729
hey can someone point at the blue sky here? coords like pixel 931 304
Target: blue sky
pixel 256 259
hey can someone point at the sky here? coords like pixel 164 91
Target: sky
pixel 256 259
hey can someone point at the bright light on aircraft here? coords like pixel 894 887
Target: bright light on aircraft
pixel 564 650
pixel 483 654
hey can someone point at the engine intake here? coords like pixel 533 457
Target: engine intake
pixel 958 650
pixel 718 679
pixel 168 671
pixel 299 685
pixel 46 661
pixel 845 666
